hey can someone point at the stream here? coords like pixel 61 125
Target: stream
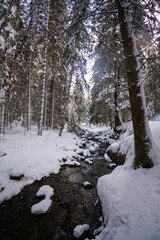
pixel 72 204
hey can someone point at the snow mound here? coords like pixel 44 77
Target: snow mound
pixel 92 149
pixel 80 229
pixel 41 207
pixel 86 153
pixel 89 161
pixel 46 191
pixel 72 162
pixel 86 183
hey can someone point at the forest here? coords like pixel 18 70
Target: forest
pixel 79 96
pixel 44 50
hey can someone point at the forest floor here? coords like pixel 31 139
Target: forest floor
pixel 72 204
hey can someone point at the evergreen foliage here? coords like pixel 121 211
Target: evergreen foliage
pixel 44 46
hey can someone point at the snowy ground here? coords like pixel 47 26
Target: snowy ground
pixel 31 157
pixel 130 198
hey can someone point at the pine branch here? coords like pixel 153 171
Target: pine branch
pixel 148 8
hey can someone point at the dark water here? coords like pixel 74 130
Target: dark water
pixel 72 205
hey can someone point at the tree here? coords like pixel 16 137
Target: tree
pixel 10 26
pixel 109 73
pixel 142 135
pixel 43 82
pixel 77 105
pixel 136 20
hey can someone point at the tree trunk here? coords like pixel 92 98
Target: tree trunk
pixel 43 87
pixel 29 94
pixel 53 104
pixel 142 135
pixel 1 118
pixel 61 129
pixel 30 68
pixel 117 119
pixel 2 107
pixel 45 107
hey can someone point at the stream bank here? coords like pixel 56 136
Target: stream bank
pixel 72 204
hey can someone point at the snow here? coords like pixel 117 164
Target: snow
pixel 86 183
pixel 111 165
pixel 2 42
pixel 80 229
pixel 157 118
pixel 46 191
pixel 89 161
pixel 41 207
pixel 13 11
pixel 86 153
pixel 92 149
pixel 130 198
pixel 79 151
pixel 45 204
pixel 94 128
pixel 107 158
pixel 32 157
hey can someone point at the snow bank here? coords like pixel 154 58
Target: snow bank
pixel 95 128
pixel 130 201
pixel 130 198
pixel 32 157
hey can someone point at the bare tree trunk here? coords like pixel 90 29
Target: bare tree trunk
pixel 2 107
pixel 43 88
pixel 117 119
pixel 142 135
pixel 29 95
pixel 53 105
pixel 1 118
pixel 61 129
pixel 30 69
pixel 45 107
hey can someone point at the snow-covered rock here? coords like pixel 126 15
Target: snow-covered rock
pixel 79 151
pixel 106 157
pixel 41 207
pixel 98 230
pixel 46 191
pixel 112 165
pixel 87 185
pixel 86 153
pixel 80 229
pixel 89 161
pixel 92 149
pixel 72 162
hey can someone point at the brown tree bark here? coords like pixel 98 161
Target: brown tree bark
pixel 142 136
